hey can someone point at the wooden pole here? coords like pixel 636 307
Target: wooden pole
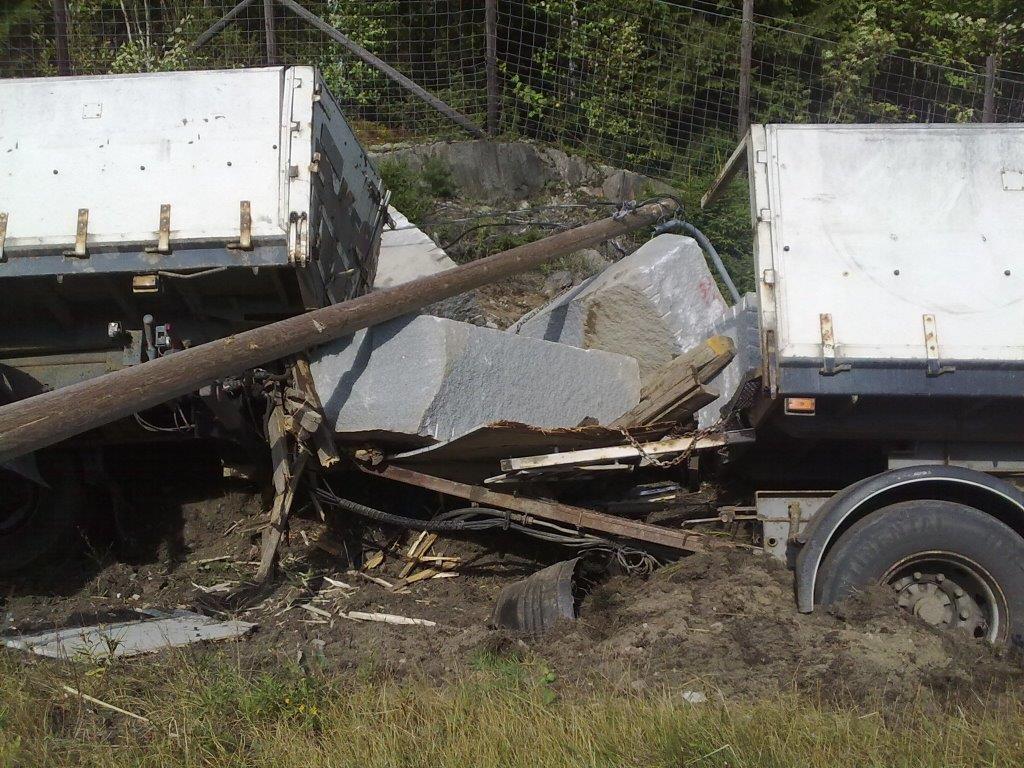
pixel 268 26
pixel 60 36
pixel 214 29
pixel 386 69
pixel 988 113
pixel 493 97
pixel 36 422
pixel 746 49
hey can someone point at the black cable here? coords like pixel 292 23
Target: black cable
pixel 466 520
pixel 386 518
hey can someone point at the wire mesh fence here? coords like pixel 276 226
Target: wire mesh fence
pixel 651 85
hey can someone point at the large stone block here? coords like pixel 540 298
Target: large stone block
pixel 428 377
pixel 406 253
pixel 653 305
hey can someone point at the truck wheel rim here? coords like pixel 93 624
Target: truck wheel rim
pixel 950 592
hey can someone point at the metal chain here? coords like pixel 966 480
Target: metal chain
pixel 682 457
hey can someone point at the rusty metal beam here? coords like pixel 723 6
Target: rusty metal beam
pixel 565 514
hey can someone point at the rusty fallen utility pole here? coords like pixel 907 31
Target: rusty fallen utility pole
pixel 36 422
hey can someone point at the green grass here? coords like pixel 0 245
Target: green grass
pixel 206 711
pixel 415 192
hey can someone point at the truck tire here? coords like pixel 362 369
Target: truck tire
pixel 39 524
pixel 953 566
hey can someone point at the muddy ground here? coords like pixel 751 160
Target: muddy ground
pixel 721 624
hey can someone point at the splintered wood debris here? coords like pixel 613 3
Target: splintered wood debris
pixel 155 632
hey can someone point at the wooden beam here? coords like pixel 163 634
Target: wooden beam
pixel 323 438
pixel 36 422
pixel 286 482
pixel 386 69
pixel 736 160
pixel 576 517
pixel 677 391
pixel 619 452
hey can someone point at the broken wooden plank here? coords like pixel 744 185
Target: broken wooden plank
pixel 622 452
pixel 375 560
pixel 732 166
pixel 678 391
pixel 101 703
pixel 577 517
pixel 419 548
pixel 323 439
pixel 376 580
pixel 273 532
pixel 390 618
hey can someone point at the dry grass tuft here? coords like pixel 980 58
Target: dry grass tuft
pixel 206 710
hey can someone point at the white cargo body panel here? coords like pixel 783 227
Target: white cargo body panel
pixel 890 257
pixel 207 142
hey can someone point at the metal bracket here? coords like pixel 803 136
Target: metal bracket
pixel 828 348
pixel 163 243
pixel 244 227
pixel 931 346
pixel 3 235
pixel 297 237
pixel 81 235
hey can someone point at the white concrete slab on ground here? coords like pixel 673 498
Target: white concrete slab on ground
pixel 654 304
pixel 129 638
pixel 407 252
pixel 431 378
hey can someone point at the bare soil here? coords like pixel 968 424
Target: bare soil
pixel 723 624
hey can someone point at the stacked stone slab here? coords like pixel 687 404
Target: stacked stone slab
pixel 425 378
pixel 406 252
pixel 654 304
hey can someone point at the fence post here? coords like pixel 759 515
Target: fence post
pixel 268 25
pixel 60 36
pixel 746 49
pixel 988 112
pixel 493 97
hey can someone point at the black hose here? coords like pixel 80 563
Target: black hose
pixel 709 249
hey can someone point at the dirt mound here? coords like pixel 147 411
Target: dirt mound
pixel 716 623
pixel 728 623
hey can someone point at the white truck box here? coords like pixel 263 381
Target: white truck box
pixel 889 258
pixel 201 146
